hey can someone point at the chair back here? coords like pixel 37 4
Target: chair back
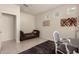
pixel 56 36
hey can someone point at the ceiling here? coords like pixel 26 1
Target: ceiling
pixel 37 8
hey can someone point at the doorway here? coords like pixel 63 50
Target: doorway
pixel 8 27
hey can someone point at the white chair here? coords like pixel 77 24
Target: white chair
pixel 58 40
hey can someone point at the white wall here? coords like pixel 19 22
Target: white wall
pixel 64 12
pixel 13 10
pixel 27 23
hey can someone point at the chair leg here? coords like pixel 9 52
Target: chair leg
pixel 55 48
pixel 67 49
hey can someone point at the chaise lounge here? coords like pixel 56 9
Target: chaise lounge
pixel 25 36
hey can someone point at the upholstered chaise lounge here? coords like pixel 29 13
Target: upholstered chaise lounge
pixel 25 36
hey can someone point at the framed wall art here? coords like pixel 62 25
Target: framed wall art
pixel 46 23
pixel 69 21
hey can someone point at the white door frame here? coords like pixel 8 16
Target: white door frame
pixel 17 26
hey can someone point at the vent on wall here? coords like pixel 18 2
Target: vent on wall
pixel 25 5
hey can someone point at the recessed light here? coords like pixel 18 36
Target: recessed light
pixel 73 8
